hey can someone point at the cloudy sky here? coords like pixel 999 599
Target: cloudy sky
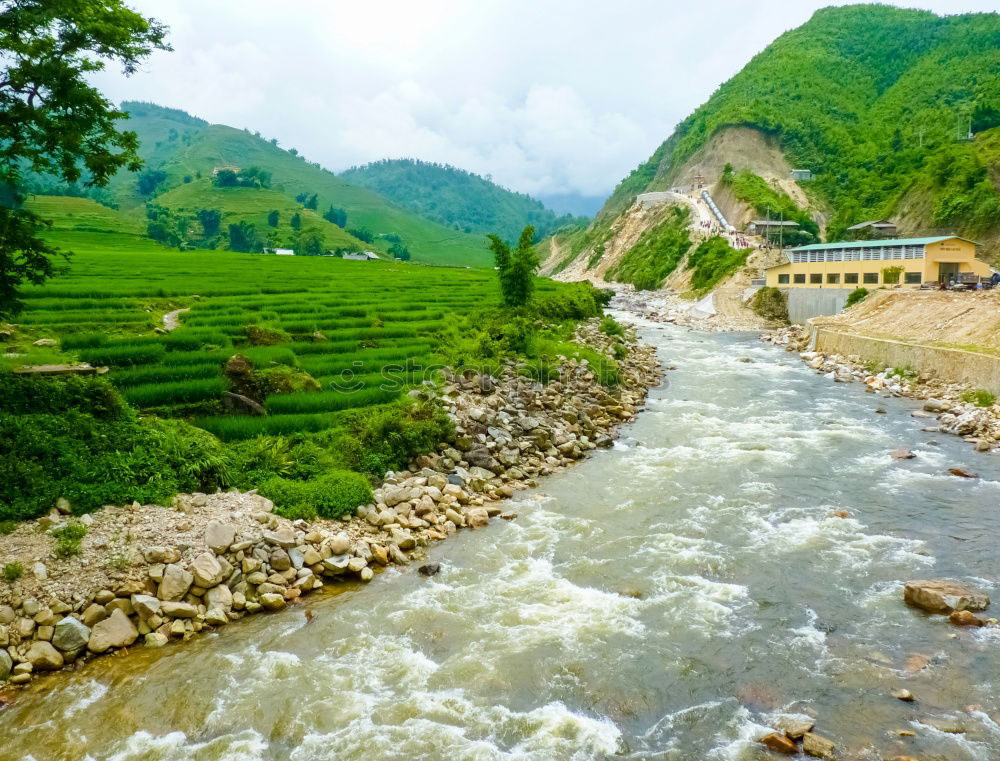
pixel 547 96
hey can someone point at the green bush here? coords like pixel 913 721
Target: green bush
pixel 712 261
pixel 656 254
pixel 856 296
pixel 68 539
pixel 13 571
pixel 331 495
pixel 610 326
pixel 980 397
pixel 27 394
pixel 771 304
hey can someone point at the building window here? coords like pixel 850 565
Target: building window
pixel 800 278
pixel 782 279
pixel 832 278
pixel 816 277
pixel 851 278
pixel 871 278
pixel 913 278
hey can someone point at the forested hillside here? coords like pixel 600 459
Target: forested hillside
pixel 879 103
pixel 456 198
pixel 271 189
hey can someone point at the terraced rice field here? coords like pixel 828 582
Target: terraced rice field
pixel 381 325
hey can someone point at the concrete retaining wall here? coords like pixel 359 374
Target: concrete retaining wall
pixel 957 365
pixel 806 303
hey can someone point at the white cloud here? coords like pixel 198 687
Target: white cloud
pixel 545 96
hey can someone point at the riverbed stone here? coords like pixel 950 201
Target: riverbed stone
pixel 777 742
pixel 146 606
pixel 207 571
pixel 44 657
pixel 156 639
pixel 818 746
pixel 272 601
pixel 284 538
pixel 943 596
pixel 70 634
pixel 219 535
pixel 219 597
pixel 6 664
pixel 114 631
pixel 476 517
pixel 340 543
pixel 280 561
pixel 93 614
pixel 176 583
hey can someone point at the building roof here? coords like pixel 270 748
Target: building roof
pixel 872 243
pixel 774 222
pixel 872 223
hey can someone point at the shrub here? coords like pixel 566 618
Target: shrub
pixel 856 296
pixel 771 304
pixel 68 539
pixel 335 493
pixel 13 571
pixel 712 261
pixel 980 397
pixel 611 326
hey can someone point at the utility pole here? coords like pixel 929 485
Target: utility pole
pixel 781 231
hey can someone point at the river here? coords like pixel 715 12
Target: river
pixel 662 600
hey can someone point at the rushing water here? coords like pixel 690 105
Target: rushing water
pixel 661 601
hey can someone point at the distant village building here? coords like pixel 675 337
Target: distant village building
pixel 875 229
pixel 802 174
pixel 771 226
pixel 284 252
pixel 218 169
pixel 850 264
pixel 364 256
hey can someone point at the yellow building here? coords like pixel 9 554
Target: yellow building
pixel 860 263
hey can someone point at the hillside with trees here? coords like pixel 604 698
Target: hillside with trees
pixel 193 169
pixel 457 199
pixel 895 112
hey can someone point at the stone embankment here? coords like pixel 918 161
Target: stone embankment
pixel 147 574
pixel 943 400
pixel 667 307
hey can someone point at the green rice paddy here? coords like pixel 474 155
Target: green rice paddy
pixel 366 331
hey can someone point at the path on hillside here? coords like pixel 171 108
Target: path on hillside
pixel 172 320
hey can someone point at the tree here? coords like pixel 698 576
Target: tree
pixel 226 178
pixel 53 121
pixel 243 237
pixel 310 243
pixel 149 180
pixel 516 270
pixel 335 216
pixel 362 233
pixel 210 220
pixel 272 218
pixel 311 202
pixel 295 221
pixel 400 251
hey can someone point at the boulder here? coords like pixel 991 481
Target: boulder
pixel 70 634
pixel 943 596
pixel 156 639
pixel 962 473
pixel 146 606
pixel 340 544
pixel 173 609
pixel 337 563
pixel 6 664
pixel 272 601
pixel 44 657
pixel 94 613
pixel 219 597
pixel 219 535
pixel 114 631
pixel 280 561
pixel 965 618
pixel 430 569
pixel 777 742
pixel 284 538
pixel 207 571
pixel 794 725
pixel 176 583
pixel 477 517
pixel 902 453
pixel 818 746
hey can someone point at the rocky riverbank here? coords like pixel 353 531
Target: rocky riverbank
pixel 945 403
pixel 148 574
pixel 668 307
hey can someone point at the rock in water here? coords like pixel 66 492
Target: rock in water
pixel 965 618
pixel 943 596
pixel 902 453
pixel 777 742
pixel 431 569
pixel 905 695
pixel 963 473
pixel 818 746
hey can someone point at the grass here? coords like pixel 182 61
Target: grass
pixel 68 539
pixel 979 397
pixel 13 571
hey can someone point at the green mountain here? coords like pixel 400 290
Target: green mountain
pixel 457 199
pixel 879 103
pixel 182 154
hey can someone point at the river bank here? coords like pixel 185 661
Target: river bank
pixel 151 574
pixel 952 406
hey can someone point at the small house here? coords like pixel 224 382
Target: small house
pixel 284 252
pixel 771 226
pixel 364 256
pixel 874 229
pixel 801 174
